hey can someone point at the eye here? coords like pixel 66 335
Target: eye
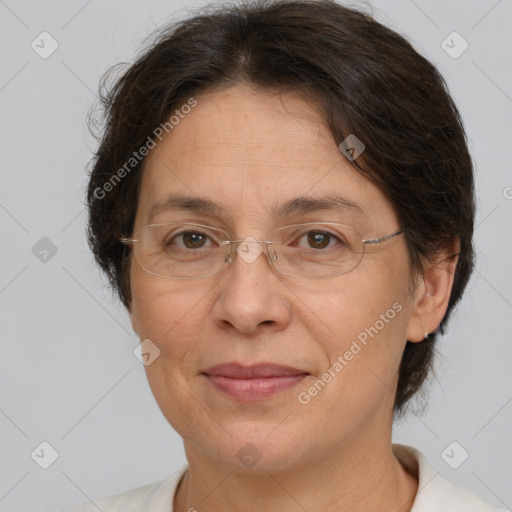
pixel 188 240
pixel 319 240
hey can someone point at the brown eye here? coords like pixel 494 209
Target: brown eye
pixel 317 240
pixel 189 240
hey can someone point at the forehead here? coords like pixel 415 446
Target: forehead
pixel 251 150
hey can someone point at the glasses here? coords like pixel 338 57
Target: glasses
pixel 191 251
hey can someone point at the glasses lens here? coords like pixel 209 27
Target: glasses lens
pixel 188 251
pixel 316 250
pixel 180 251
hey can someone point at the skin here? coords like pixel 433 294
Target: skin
pixel 249 150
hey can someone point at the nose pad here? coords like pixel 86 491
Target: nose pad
pixel 228 256
pixel 249 252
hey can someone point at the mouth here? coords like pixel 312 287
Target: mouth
pixel 255 382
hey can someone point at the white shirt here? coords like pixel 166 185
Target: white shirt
pixel 435 494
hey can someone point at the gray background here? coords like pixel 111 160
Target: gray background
pixel 68 374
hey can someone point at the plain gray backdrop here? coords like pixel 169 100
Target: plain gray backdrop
pixel 68 374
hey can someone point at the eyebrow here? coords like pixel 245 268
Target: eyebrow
pixel 180 202
pixel 304 204
pixel 296 206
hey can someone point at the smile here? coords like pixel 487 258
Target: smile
pixel 253 383
pixel 255 389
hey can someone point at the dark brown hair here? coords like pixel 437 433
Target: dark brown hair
pixel 364 78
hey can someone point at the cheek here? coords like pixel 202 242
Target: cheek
pixel 158 304
pixel 171 315
pixel 362 350
pixel 173 318
pixel 366 322
pixel 352 305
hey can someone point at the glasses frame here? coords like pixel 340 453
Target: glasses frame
pixel 229 259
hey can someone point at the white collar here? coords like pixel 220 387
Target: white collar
pixel 435 493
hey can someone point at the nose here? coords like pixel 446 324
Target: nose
pixel 252 298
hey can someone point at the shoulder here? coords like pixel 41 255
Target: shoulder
pixel 435 493
pixel 156 497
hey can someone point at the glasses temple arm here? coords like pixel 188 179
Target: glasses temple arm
pixel 384 238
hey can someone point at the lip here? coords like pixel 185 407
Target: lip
pixel 254 382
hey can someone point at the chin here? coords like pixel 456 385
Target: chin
pixel 253 449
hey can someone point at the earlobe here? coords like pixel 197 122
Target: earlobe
pixel 431 298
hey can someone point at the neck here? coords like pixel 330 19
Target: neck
pixel 349 478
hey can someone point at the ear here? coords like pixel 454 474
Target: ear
pixel 432 294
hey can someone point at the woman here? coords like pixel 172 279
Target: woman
pixel 283 200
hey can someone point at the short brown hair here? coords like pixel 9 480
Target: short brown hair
pixel 365 79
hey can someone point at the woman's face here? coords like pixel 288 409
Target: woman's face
pixel 250 152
